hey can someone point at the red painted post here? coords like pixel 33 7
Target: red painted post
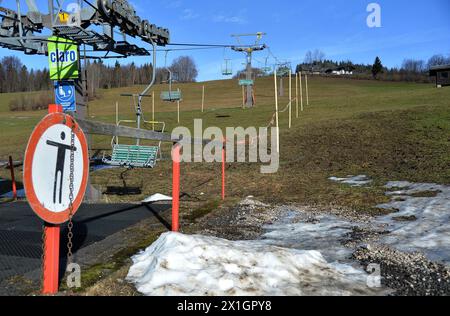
pixel 51 261
pixel 13 179
pixel 224 160
pixel 55 108
pixel 176 157
pixel 52 240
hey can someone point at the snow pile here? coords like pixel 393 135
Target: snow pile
pixel 157 198
pixel 354 181
pixel 197 265
pixel 426 219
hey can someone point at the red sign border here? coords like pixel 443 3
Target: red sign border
pixel 49 121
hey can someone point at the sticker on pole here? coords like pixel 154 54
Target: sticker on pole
pixel 47 168
pixel 63 59
pixel 65 95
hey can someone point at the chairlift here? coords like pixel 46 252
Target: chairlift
pixel 283 69
pixel 171 95
pixel 266 69
pixel 227 68
pixel 136 156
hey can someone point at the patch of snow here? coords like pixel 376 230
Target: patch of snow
pixel 324 232
pixel 354 181
pixel 430 233
pixel 426 227
pixel 157 198
pixel 198 265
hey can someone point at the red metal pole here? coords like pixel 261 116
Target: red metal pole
pixel 51 259
pixel 13 179
pixel 224 160
pixel 52 240
pixel 176 157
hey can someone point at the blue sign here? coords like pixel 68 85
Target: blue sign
pixel 65 95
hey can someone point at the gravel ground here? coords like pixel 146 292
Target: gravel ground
pixel 410 274
pixel 405 273
pixel 245 221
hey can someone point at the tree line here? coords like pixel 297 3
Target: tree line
pixel 16 77
pixel 410 69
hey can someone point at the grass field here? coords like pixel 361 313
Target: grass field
pixel 389 131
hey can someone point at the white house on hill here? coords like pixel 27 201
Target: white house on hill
pixel 341 71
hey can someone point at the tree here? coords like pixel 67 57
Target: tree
pixel 309 58
pixel 184 69
pixel 413 66
pixel 24 84
pixel 315 57
pixel 438 60
pixel 377 67
pixel 12 66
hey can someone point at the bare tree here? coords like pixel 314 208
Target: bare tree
pixel 313 57
pixel 309 58
pixel 413 66
pixel 438 60
pixel 184 69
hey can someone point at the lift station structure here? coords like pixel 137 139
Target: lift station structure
pixel 104 26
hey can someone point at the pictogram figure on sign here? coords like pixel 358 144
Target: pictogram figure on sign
pixel 60 164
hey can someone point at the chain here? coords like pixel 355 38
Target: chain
pixel 71 195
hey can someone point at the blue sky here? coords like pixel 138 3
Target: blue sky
pixel 410 29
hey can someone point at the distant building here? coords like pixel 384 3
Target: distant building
pixel 442 74
pixel 340 71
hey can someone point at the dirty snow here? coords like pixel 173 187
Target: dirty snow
pixel 354 181
pixel 157 198
pixel 429 232
pixel 300 254
pixel 198 265
pixel 324 232
pixel 420 221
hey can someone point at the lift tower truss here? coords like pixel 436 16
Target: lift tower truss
pixel 248 50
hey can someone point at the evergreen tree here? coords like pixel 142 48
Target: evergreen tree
pixel 377 67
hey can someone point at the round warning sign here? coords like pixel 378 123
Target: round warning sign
pixel 47 168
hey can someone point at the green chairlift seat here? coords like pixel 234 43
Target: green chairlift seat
pixel 227 68
pixel 227 72
pixel 266 70
pixel 133 156
pixel 171 96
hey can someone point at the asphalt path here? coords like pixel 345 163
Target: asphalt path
pixel 21 231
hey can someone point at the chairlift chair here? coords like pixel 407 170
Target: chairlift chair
pixel 136 156
pixel 283 69
pixel 171 95
pixel 227 68
pixel 266 70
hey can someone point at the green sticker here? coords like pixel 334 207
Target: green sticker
pixel 63 59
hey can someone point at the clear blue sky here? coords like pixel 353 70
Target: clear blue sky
pixel 410 29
